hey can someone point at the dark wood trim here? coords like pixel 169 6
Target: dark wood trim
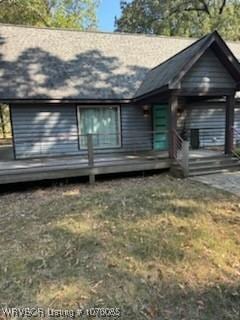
pixel 163 89
pixel 173 106
pixel 90 150
pixel 218 92
pixel 77 125
pixel 226 56
pixel 67 101
pixel 12 132
pixel 29 102
pixel 152 124
pixel 230 103
pixel 121 126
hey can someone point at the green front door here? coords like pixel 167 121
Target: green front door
pixel 160 127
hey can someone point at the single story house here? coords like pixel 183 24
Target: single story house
pixel 91 102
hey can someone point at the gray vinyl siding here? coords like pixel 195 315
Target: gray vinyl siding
pixel 52 130
pixel 209 118
pixel 208 73
pixel 136 129
pixel 41 130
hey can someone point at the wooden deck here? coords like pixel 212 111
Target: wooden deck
pixel 13 171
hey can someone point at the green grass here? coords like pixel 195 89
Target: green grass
pixel 157 247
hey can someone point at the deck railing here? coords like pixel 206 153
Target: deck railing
pixel 96 148
pixel 236 142
pixel 181 152
pixel 206 137
pixel 134 143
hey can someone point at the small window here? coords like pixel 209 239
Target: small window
pixel 103 123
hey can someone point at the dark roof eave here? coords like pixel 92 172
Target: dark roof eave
pixel 80 101
pixel 149 94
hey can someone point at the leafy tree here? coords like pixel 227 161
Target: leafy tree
pixel 74 13
pixel 80 14
pixel 29 12
pixel 181 17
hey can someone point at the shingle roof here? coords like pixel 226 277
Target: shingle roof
pixel 40 63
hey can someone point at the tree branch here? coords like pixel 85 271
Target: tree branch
pixel 206 7
pixel 222 6
pixel 197 9
pixel 194 9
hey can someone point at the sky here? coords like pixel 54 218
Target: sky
pixel 108 9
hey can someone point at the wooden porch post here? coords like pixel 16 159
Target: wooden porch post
pixel 230 101
pixel 90 158
pixel 173 106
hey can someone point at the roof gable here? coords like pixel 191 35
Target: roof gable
pixel 208 73
pixel 170 73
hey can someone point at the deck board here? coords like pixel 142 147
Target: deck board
pixel 76 166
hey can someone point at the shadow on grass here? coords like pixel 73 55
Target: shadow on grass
pixel 140 247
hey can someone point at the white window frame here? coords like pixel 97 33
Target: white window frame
pixel 79 107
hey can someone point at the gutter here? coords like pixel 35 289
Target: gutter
pixel 67 101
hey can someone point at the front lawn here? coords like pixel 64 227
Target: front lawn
pixel 156 247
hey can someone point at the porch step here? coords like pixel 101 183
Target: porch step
pixel 211 159
pixel 215 171
pixel 205 166
pixel 213 162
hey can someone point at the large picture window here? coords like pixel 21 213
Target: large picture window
pixel 103 123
